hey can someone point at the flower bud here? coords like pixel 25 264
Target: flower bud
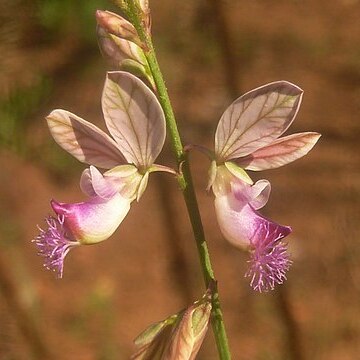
pixel 190 332
pixel 178 337
pixel 116 25
pixel 117 49
pixel 124 55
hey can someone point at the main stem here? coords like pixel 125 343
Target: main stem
pixel 184 179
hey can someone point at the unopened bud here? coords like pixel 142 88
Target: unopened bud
pixel 179 337
pixel 152 343
pixel 116 49
pixel 116 25
pixel 190 332
pixel 124 55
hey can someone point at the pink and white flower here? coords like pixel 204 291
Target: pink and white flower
pixel 84 223
pixel 136 123
pixel 248 138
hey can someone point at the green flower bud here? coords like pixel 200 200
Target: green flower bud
pixel 178 337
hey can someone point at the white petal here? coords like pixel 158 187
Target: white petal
pixel 232 220
pixel 256 119
pixel 86 183
pixel 83 140
pixel 93 183
pixel 134 118
pixel 259 194
pixel 281 152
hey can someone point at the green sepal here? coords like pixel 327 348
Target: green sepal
pixel 238 172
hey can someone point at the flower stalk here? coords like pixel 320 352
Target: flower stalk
pixel 134 13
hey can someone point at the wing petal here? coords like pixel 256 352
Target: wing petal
pixel 134 118
pixel 256 119
pixel 281 152
pixel 83 140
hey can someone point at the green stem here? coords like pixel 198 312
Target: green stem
pixel 135 15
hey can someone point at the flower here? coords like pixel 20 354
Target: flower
pixel 76 224
pixel 136 122
pixel 245 228
pixel 248 138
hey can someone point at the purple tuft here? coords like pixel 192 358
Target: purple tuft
pixel 54 244
pixel 269 259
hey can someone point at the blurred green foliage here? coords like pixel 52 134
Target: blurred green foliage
pixel 16 109
pixel 44 29
pixel 97 313
pixel 61 16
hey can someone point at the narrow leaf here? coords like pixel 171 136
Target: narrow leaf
pixel 256 119
pixel 83 140
pixel 134 118
pixel 280 152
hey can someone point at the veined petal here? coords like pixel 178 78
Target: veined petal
pixel 92 221
pixel 93 183
pixel 83 140
pixel 134 118
pixel 281 152
pixel 256 119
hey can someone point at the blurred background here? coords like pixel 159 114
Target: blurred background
pixel 211 52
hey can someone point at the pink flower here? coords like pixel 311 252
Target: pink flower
pixel 243 226
pixel 136 122
pixel 248 138
pixel 82 223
